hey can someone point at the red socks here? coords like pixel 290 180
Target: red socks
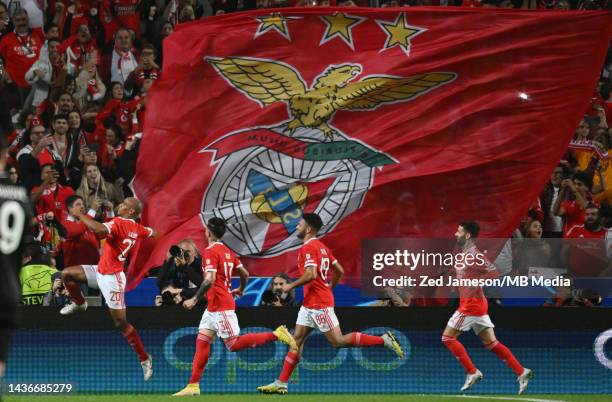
pixel 506 355
pixel 200 358
pixel 362 340
pixel 291 360
pixel 75 292
pixel 135 342
pixel 458 350
pixel 251 340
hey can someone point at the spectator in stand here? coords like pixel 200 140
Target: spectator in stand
pixel 80 245
pixel 120 15
pixel 6 25
pixel 13 175
pixel 79 49
pixel 115 146
pixel 35 154
pixel 50 196
pixel 99 194
pixel 19 50
pixel 123 58
pixel 182 268
pixel 60 144
pixel 532 251
pixel 58 296
pixel 574 198
pixel 275 296
pixel 117 111
pixel 40 76
pixel 553 224
pixel 147 69
pixel 89 87
pixel 584 251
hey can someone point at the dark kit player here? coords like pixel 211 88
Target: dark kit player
pixel 15 224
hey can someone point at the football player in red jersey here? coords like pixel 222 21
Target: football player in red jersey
pixel 121 235
pixel 219 263
pixel 315 260
pixel 473 311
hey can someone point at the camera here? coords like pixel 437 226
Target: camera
pixel 269 297
pixel 167 298
pixel 177 252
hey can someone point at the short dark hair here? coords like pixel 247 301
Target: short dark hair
pixel 313 220
pixel 591 205
pixel 51 165
pixel 59 116
pixel 50 26
pixel 583 177
pixel 72 199
pixel 216 226
pixel 472 227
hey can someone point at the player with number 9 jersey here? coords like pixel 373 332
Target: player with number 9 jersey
pixel 317 293
pixel 220 259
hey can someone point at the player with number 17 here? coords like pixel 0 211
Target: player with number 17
pixel 121 234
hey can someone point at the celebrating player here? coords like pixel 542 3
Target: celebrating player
pixel 220 318
pixel 472 312
pixel 121 234
pixel 315 260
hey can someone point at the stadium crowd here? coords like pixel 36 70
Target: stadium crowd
pixel 74 78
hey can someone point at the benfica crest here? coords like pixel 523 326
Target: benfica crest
pixel 265 176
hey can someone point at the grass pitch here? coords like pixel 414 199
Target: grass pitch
pixel 311 397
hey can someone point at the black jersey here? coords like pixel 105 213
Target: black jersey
pixel 15 232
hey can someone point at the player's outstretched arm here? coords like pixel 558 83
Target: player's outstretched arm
pixel 338 274
pixel 309 275
pixel 244 279
pixel 209 279
pixel 93 225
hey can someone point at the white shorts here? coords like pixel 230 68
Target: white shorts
pixel 463 322
pixel 223 323
pixel 324 320
pixel 112 286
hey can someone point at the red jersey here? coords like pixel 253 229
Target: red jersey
pixel 19 52
pixel 220 259
pixel 121 237
pixel 317 293
pixel 115 14
pixel 574 215
pixel 53 200
pixel 81 246
pixel 588 251
pixel 472 299
pixel 77 54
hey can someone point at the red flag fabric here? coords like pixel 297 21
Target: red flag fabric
pixel 386 122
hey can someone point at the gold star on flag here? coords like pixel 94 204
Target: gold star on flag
pixel 339 25
pixel 399 33
pixel 275 22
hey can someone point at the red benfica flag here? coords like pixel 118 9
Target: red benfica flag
pixel 386 122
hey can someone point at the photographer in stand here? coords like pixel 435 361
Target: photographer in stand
pixel 275 296
pixel 181 275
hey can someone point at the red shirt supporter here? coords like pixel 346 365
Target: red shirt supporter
pixel 81 246
pixel 122 236
pixel 587 250
pixel 220 259
pixel 472 264
pixel 115 14
pixel 79 48
pixel 51 196
pixel 574 215
pixel 19 51
pixel 317 293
